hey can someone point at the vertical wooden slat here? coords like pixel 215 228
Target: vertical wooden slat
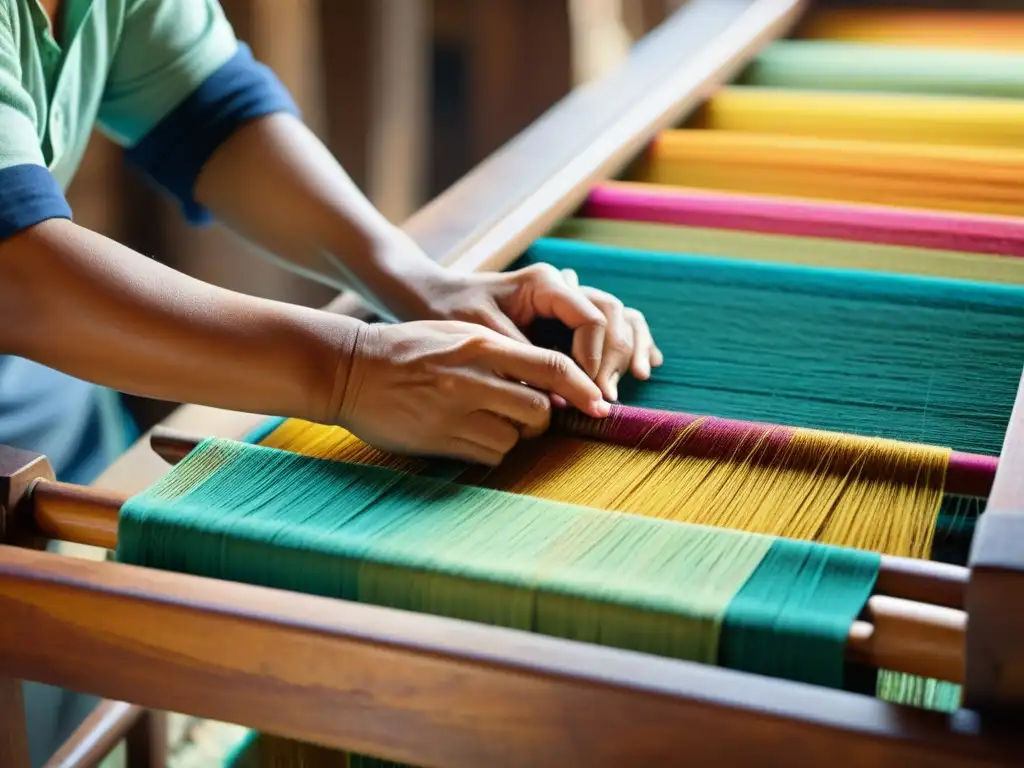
pixel 602 32
pixel 401 96
pixel 347 47
pixel 13 733
pixel 520 62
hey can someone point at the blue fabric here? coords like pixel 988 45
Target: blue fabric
pixel 175 151
pixel 80 427
pixel 29 194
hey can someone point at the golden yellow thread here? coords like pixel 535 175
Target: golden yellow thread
pixel 837 489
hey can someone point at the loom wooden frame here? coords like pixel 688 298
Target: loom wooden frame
pixel 428 690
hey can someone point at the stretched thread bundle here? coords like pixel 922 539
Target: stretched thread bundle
pixel 965 28
pixel 940 177
pixel 842 66
pixel 358 532
pixel 807 251
pixel 660 204
pixel 886 117
pixel 800 484
pixel 922 360
pixel 268 517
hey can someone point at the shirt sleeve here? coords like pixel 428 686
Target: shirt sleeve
pixel 180 85
pixel 29 193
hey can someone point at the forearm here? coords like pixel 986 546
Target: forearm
pixel 275 183
pixel 83 304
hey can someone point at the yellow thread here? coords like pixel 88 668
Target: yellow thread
pixel 940 177
pixel 806 251
pixel 837 489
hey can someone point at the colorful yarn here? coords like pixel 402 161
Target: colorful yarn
pixel 840 66
pixel 963 28
pixel 922 360
pixel 800 484
pixel 886 117
pixel 660 204
pixel 938 177
pixel 808 251
pixel 354 532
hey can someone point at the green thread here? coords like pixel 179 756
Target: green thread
pixel 793 615
pixel 925 360
pixel 835 66
pixel 247 513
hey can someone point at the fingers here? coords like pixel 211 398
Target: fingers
pixel 617 352
pixel 527 411
pixel 645 354
pixel 551 296
pixel 499 322
pixel 472 453
pixel 549 371
pixel 623 344
pixel 489 431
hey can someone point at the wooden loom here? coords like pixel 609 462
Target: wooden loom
pixel 432 691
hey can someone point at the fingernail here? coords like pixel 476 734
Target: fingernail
pixel 600 408
pixel 613 389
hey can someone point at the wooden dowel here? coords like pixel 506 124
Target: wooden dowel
pixel 76 514
pixel 905 636
pixel 921 580
pixel 105 727
pixel 919 639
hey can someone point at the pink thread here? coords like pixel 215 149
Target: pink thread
pixel 967 475
pixel 631 201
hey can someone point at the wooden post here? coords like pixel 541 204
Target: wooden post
pixel 13 730
pixel 401 89
pixel 18 470
pixel 994 681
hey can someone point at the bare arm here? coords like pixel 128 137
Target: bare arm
pixel 274 183
pixel 78 302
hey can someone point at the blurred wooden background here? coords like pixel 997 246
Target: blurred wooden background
pixel 408 94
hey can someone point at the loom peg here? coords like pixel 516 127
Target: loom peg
pixel 76 514
pixel 919 639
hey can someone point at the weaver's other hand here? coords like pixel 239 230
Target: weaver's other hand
pixel 608 338
pixel 457 390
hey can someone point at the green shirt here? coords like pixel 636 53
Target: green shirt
pixel 165 79
pixel 121 66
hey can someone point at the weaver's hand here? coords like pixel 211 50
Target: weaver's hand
pixel 608 340
pixel 455 390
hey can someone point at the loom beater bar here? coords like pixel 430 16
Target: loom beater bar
pixel 905 635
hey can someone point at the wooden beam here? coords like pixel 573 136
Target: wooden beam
pixel 428 690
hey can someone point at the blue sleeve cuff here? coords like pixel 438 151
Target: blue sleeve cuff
pixel 29 194
pixel 174 152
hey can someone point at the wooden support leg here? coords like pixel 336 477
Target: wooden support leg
pixel 13 728
pixel 994 674
pixel 147 741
